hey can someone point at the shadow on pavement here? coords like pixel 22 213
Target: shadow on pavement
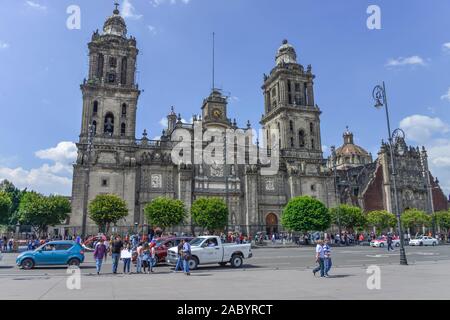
pixel 340 276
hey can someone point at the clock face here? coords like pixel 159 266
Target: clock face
pixel 217 113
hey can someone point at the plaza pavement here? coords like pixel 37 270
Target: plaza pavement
pixel 427 277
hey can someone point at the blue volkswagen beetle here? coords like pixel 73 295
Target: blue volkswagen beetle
pixel 52 253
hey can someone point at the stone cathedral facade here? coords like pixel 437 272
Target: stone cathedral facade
pixel 111 160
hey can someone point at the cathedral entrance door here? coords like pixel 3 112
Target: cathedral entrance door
pixel 271 223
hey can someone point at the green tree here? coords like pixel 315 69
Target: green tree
pixel 349 217
pixel 442 219
pixel 106 209
pixel 40 211
pixel 5 208
pixel 210 213
pixel 305 214
pixel 15 195
pixel 381 219
pixel 415 219
pixel 165 212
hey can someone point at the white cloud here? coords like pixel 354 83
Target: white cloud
pixel 156 3
pixel 152 30
pixel 421 128
pixel 163 122
pixel 432 133
pixel 64 152
pixel 54 177
pixel 129 12
pixel 35 5
pixel 3 45
pixel 446 47
pixel 446 96
pixel 413 60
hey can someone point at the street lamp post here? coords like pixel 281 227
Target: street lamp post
pixel 379 94
pixel 333 155
pixel 90 138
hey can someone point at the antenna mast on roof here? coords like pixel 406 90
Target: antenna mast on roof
pixel 213 62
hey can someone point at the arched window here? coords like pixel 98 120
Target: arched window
pixel 292 142
pixel 100 63
pixel 312 144
pixel 301 139
pixel 122 129
pixel 123 76
pixel 124 110
pixel 311 127
pixel 112 62
pixel 94 127
pixel 95 108
pixel 291 125
pixel 109 124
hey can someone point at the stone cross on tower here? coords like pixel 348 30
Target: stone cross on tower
pixel 116 11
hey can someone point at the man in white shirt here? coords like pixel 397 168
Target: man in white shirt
pixel 320 259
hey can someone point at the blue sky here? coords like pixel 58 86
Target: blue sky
pixel 42 64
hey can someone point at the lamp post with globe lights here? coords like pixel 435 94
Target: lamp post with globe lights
pixel 379 95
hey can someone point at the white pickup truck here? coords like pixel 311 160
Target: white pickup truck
pixel 211 250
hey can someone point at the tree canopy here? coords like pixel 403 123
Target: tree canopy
pixel 381 219
pixel 40 211
pixel 210 213
pixel 442 219
pixel 349 217
pixel 106 209
pixel 305 214
pixel 165 212
pixel 414 218
pixel 5 208
pixel 15 196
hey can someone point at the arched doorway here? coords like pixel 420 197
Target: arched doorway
pixel 271 223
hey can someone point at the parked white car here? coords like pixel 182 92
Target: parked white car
pixel 382 242
pixel 424 241
pixel 211 250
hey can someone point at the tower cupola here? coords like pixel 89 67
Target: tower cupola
pixel 115 24
pixel 286 54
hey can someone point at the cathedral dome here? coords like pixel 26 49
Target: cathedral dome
pixel 115 25
pixel 286 53
pixel 350 154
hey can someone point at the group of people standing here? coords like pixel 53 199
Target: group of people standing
pixel 6 245
pixel 323 258
pixel 145 253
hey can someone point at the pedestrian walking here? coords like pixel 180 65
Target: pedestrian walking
pixel 125 255
pixel 146 258
pixel 186 256
pixel 179 264
pixel 116 248
pixel 389 242
pixel 139 258
pixel 108 247
pixel 99 254
pixel 11 244
pixel 320 259
pixel 327 257
pixel 152 256
pixel 5 243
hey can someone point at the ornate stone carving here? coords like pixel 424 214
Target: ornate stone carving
pixel 156 181
pixel 216 170
pixel 270 184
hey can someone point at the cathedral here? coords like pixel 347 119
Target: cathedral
pixel 111 160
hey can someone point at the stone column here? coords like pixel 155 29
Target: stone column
pixel 251 197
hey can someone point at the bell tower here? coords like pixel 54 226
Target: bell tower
pixel 289 104
pixel 110 94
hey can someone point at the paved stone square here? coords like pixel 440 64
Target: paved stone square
pixel 272 274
